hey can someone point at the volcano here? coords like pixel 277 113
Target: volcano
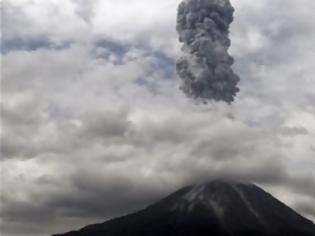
pixel 216 208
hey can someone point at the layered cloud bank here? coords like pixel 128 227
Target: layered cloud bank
pixel 94 125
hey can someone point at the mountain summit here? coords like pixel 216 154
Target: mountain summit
pixel 217 208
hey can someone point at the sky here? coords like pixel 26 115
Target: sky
pixel 94 125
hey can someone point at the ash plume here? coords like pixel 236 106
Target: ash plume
pixel 205 65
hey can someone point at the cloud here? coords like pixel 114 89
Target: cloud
pixel 36 24
pixel 147 28
pixel 55 24
pixel 205 65
pixel 100 124
pixel 85 9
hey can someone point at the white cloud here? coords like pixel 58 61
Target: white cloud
pixel 110 117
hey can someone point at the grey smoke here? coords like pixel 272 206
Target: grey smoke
pixel 205 65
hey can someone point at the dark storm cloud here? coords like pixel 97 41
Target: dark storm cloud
pixel 86 194
pixel 120 194
pixel 205 67
pixel 95 192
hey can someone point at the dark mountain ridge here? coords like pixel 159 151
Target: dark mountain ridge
pixel 217 208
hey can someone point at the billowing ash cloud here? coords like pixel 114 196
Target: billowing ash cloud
pixel 205 66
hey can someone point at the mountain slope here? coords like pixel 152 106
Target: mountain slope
pixel 217 208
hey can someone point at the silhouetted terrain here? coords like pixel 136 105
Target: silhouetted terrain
pixel 217 208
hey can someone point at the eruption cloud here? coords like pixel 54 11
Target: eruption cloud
pixel 205 65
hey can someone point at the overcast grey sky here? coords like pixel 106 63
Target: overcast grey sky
pixel 94 125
